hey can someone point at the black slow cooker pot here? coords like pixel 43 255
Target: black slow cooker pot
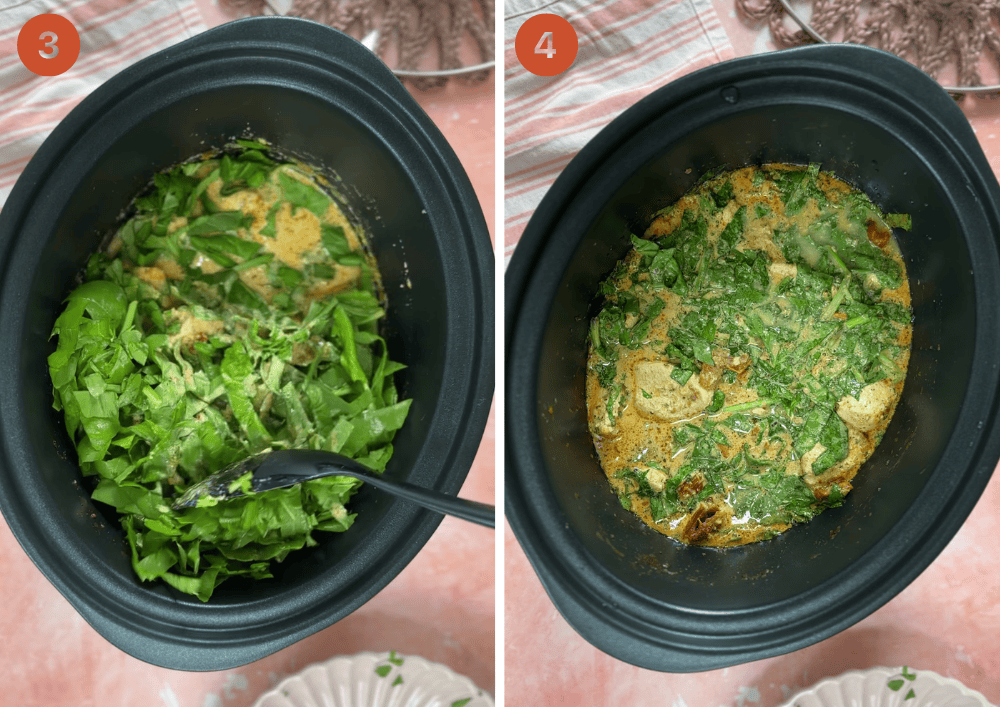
pixel 875 121
pixel 322 97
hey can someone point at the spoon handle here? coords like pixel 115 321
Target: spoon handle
pixel 465 509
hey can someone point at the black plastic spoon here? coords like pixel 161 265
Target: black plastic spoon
pixel 287 467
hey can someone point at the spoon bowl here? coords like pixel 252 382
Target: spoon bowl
pixel 286 467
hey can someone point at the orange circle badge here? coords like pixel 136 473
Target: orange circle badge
pixel 48 44
pixel 546 45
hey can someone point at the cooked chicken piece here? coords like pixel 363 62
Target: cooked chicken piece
pixel 668 400
pixel 602 424
pixel 709 377
pixel 152 275
pixel 811 456
pixel 866 412
pixel 657 479
pixel 192 328
pixel 780 271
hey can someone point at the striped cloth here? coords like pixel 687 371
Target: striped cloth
pixel 113 35
pixel 628 48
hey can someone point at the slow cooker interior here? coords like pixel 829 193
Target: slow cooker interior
pixel 866 155
pixel 381 195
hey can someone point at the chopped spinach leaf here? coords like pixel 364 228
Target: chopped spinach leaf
pixel 800 332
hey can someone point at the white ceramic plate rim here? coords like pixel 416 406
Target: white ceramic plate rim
pixel 821 692
pixel 440 685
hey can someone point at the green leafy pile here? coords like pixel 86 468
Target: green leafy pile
pixel 831 317
pixel 152 413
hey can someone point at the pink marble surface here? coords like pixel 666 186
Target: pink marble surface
pixel 947 621
pixel 441 607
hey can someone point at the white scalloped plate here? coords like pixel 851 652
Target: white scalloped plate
pixel 889 687
pixel 376 680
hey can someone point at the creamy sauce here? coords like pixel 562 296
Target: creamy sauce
pixel 749 355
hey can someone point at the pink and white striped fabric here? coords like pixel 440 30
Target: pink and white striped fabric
pixel 627 48
pixel 113 35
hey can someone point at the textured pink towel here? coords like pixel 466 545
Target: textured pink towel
pixel 628 48
pixel 113 35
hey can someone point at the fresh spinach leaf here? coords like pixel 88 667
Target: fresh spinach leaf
pixel 156 398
